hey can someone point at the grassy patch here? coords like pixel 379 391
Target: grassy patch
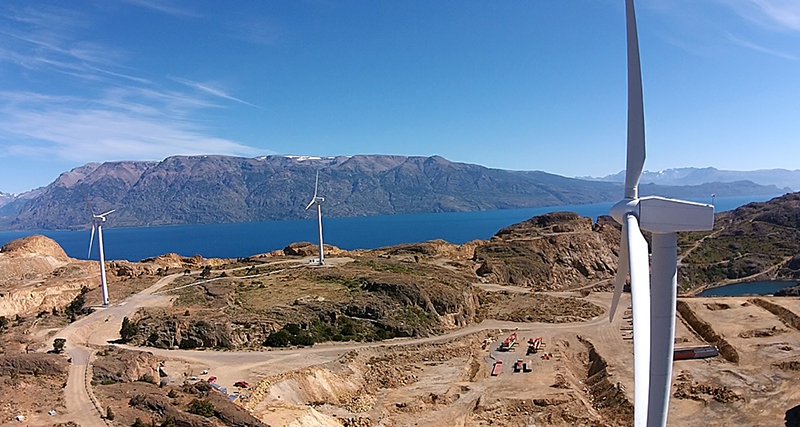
pixel 391 267
pixel 343 329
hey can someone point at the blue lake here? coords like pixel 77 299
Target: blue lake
pixel 245 239
pixel 766 287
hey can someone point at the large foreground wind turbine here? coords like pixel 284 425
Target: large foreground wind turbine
pixel 317 200
pixel 653 306
pixel 97 224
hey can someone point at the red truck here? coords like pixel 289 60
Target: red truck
pixel 498 366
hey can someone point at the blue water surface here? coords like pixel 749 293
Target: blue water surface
pixel 245 239
pixel 764 287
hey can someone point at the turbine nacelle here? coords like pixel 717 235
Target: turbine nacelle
pixel 663 215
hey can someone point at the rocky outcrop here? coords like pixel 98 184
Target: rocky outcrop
pixel 556 251
pixel 36 275
pixel 157 329
pixel 305 249
pixel 431 249
pixel 368 299
pixel 38 297
pixel 121 365
pixel 176 261
pixel 34 245
pixel 160 404
pixel 33 364
pixel 30 258
pixel 758 241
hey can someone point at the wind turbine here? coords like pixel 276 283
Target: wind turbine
pixel 653 306
pixel 97 224
pixel 317 200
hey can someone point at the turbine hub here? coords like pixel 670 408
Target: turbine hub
pixel 624 207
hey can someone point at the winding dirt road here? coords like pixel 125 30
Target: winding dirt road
pixel 102 326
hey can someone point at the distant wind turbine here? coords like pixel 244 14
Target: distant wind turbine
pixel 317 200
pixel 97 224
pixel 653 306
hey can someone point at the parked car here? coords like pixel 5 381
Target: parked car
pixel 212 378
pixel 241 384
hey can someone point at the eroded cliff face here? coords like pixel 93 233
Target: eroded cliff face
pixel 556 251
pixel 37 275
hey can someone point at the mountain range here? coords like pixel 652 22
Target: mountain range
pixel 215 189
pixel 781 178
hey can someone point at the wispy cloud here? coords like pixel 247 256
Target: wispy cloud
pixel 774 14
pixel 104 110
pixel 165 6
pixel 255 31
pixel 749 45
pixel 211 90
pixel 115 127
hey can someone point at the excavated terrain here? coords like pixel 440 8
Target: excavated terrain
pixel 401 336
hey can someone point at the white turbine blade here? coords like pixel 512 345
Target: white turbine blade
pixel 622 273
pixel 636 147
pixel 638 261
pixel 311 203
pixel 104 214
pixel 91 239
pixel 316 184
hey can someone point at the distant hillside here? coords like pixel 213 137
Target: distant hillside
pixel 754 242
pixel 215 189
pixel 780 178
pixel 5 199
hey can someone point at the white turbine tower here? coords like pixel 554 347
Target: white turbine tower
pixel 97 224
pixel 653 306
pixel 317 200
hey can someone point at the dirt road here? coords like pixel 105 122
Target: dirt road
pixel 97 329
pixel 102 327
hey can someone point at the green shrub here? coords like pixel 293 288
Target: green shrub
pixel 128 330
pixel 147 378
pixel 278 339
pixel 201 407
pixel 58 345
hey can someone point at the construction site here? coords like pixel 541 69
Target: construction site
pixel 484 354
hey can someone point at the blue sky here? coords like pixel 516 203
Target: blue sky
pixel 527 85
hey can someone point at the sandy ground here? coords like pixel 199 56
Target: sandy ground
pixel 766 392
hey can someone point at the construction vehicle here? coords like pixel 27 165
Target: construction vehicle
pixel 498 366
pixel 534 345
pixel 509 343
pixel 518 365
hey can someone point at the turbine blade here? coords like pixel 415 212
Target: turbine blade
pixel 91 239
pixel 638 261
pixel 622 273
pixel 636 146
pixel 104 214
pixel 316 184
pixel 311 203
pixel 86 199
